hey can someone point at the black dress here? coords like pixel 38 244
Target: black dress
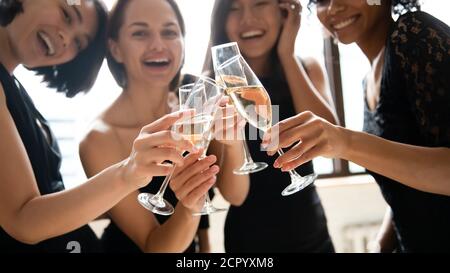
pixel 114 240
pixel 45 159
pixel 414 108
pixel 267 221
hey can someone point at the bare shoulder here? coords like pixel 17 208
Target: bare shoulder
pixel 101 132
pixel 2 98
pixel 312 66
pixel 99 136
pixel 99 148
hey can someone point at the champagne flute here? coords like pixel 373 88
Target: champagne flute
pixel 204 96
pixel 253 102
pixel 156 202
pixel 219 55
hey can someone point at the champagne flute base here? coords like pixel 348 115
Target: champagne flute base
pixel 250 167
pixel 208 209
pixel 155 204
pixel 298 183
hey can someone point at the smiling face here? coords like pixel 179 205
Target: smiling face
pixel 255 25
pixel 352 20
pixel 51 32
pixel 150 43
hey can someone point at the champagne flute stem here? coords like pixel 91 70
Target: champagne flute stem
pixel 247 156
pixel 291 172
pixel 207 200
pixel 164 185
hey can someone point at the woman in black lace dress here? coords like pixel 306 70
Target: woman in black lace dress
pixel 407 119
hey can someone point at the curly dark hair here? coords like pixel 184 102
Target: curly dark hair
pixel 403 6
pixel 79 74
pixel 398 6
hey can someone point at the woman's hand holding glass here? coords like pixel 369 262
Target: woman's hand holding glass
pixel 310 136
pixel 228 124
pixel 253 103
pixel 205 96
pixel 193 179
pixel 220 54
pixel 154 146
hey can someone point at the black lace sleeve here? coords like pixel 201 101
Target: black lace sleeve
pixel 421 45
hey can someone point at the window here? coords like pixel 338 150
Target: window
pixel 310 44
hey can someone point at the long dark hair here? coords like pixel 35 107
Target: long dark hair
pixel 115 23
pixel 79 74
pixel 219 36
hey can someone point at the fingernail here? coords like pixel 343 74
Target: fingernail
pixel 214 169
pixel 276 164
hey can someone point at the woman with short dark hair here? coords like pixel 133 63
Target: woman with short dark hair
pixel 65 44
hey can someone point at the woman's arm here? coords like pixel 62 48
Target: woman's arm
pixel 29 217
pixel 203 240
pixel 227 145
pixel 423 168
pixel 386 241
pixel 140 225
pixel 309 89
pixel 234 188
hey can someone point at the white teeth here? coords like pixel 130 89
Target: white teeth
pixel 48 42
pixel 252 33
pixel 344 23
pixel 157 61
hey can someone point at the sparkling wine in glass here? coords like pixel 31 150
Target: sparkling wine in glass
pixel 204 96
pixel 252 102
pixel 220 54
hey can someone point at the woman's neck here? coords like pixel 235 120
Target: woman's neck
pixel 148 104
pixel 260 65
pixel 374 41
pixel 7 56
